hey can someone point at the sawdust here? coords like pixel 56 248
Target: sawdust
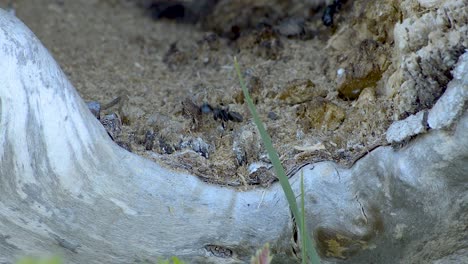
pixel 312 85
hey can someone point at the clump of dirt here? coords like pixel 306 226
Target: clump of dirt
pixel 324 93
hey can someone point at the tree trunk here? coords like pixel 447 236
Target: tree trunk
pixel 66 188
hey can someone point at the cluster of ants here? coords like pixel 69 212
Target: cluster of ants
pixel 222 114
pixel 195 111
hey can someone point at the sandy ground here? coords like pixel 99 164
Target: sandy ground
pixel 164 71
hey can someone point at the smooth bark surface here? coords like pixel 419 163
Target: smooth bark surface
pixel 66 188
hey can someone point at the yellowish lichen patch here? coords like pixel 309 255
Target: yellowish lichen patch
pixel 335 244
pixel 299 91
pixel 335 249
pixel 321 115
pixel 351 88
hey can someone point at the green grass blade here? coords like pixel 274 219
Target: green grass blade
pixel 303 227
pixel 280 172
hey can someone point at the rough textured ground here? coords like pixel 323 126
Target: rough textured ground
pixel 324 93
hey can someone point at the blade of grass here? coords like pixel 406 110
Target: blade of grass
pixel 280 172
pixel 303 227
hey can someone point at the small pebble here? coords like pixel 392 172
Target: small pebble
pixel 246 145
pixel 113 125
pixel 200 146
pixel 165 146
pixel 340 72
pixel 291 27
pixel 253 167
pixel 149 140
pixel 272 115
pixel 206 108
pixel 95 108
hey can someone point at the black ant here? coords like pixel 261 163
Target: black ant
pixel 221 113
pixel 330 10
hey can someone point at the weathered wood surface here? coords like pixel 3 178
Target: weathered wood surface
pixel 66 188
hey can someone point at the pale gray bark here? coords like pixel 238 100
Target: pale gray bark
pixel 66 188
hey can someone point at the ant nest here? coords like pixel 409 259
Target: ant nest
pixel 323 93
